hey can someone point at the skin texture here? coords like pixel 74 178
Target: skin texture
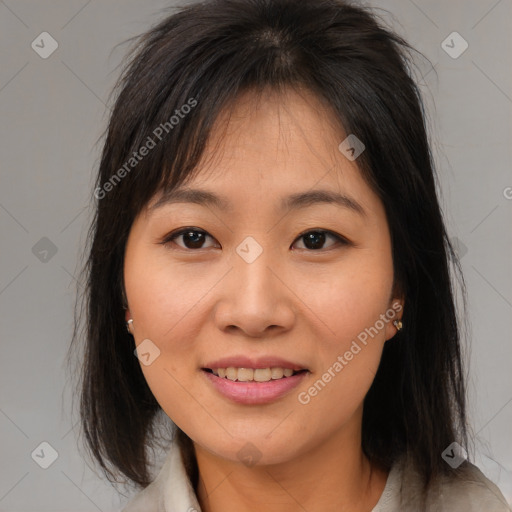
pixel 305 305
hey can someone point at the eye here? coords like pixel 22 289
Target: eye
pixel 315 239
pixel 193 238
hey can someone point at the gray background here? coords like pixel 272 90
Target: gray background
pixel 52 113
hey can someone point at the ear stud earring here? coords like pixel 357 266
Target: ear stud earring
pixel 128 325
pixel 397 324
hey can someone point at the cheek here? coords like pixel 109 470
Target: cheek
pixel 167 302
pixel 350 298
pixel 163 302
pixel 163 294
pixel 348 308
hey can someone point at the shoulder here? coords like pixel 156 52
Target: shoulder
pixel 469 491
pixel 149 499
pixel 171 490
pixel 465 490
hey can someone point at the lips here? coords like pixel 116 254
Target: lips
pixel 254 393
pixel 260 362
pixel 247 381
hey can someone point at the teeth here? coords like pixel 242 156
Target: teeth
pixel 245 374
pixel 250 374
pixel 231 373
pixel 277 373
pixel 262 375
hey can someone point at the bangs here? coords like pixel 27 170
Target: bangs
pixel 181 76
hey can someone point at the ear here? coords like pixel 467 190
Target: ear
pixel 394 312
pixel 127 315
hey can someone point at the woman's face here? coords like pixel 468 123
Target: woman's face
pixel 261 275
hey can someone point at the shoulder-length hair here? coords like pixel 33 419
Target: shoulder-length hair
pixel 181 74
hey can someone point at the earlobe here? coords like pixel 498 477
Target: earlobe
pixel 396 319
pixel 129 320
pixel 398 325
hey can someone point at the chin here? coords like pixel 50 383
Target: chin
pixel 255 450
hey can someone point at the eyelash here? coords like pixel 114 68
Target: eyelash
pixel 176 234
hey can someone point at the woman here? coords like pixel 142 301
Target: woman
pixel 270 269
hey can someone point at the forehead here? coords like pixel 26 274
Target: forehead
pixel 278 147
pixel 273 126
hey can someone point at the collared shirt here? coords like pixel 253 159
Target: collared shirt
pixel 172 491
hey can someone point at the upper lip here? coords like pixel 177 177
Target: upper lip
pixel 259 362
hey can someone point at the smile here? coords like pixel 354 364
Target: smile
pixel 241 385
pixel 253 374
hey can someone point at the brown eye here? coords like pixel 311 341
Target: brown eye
pixel 192 238
pixel 315 239
pixel 195 238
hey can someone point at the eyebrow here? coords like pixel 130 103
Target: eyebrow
pixel 291 202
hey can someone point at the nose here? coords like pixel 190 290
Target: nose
pixel 255 299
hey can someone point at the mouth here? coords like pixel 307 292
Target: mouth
pixel 253 374
pixel 254 386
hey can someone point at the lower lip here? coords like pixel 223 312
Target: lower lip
pixel 255 392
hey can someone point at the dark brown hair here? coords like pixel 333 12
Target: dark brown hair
pixel 209 53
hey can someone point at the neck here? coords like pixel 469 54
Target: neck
pixel 335 476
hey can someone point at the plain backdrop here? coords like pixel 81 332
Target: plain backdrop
pixel 52 112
